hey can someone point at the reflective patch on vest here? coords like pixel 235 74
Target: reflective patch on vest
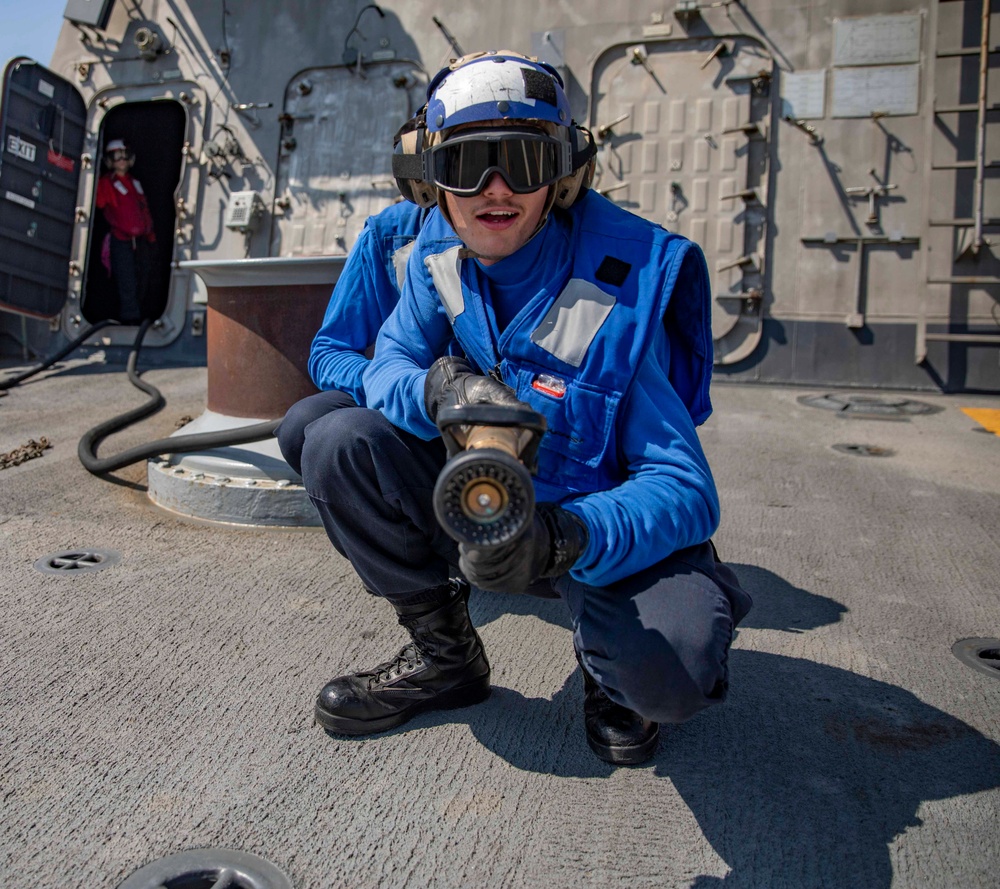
pixel 446 272
pixel 120 187
pixel 572 322
pixel 399 260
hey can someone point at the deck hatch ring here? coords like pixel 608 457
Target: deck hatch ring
pixel 869 407
pixel 983 655
pixel 208 869
pixel 864 450
pixel 74 562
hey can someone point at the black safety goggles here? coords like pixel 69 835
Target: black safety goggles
pixel 527 161
pixel 118 155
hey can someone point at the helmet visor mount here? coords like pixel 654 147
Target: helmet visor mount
pixel 527 160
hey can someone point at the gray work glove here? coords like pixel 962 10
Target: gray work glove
pixel 452 382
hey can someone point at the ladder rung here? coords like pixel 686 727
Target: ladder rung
pixel 964 165
pixel 964 51
pixel 990 339
pixel 965 279
pixel 964 221
pixel 953 109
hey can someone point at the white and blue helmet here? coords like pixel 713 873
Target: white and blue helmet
pixel 490 88
pixel 500 85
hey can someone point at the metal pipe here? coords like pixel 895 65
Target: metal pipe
pixel 977 241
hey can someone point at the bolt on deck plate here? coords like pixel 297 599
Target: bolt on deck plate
pixel 869 407
pixel 208 868
pixel 74 562
pixel 983 655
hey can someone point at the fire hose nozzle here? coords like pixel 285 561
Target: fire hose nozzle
pixel 484 495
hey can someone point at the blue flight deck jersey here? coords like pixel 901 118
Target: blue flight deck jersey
pixel 601 323
pixel 364 296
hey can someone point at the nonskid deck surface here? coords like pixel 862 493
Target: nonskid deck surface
pixel 164 702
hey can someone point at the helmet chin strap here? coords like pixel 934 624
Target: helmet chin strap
pixel 549 204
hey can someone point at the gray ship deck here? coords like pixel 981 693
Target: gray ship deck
pixel 165 703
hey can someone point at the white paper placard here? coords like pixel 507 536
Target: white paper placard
pixel 803 94
pixel 877 40
pixel 888 89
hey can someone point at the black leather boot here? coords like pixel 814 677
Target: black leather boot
pixel 615 733
pixel 443 667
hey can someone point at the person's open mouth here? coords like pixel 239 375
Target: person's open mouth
pixel 497 219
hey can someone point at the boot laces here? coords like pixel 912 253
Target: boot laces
pixel 425 641
pixel 408 659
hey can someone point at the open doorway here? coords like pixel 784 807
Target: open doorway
pixel 154 132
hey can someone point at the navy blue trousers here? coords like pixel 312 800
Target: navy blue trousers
pixel 657 642
pixel 291 431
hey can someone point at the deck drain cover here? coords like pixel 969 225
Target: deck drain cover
pixel 208 868
pixel 864 450
pixel 869 407
pixel 983 655
pixel 77 561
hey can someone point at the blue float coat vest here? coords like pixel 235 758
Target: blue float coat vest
pixel 573 350
pixel 365 295
pixel 601 322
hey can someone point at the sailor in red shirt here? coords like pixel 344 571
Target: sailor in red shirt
pixel 123 203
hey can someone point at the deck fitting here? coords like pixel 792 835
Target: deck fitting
pixel 74 562
pixel 869 407
pixel 983 655
pixel 864 450
pixel 207 868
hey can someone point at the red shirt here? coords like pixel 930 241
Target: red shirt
pixel 124 205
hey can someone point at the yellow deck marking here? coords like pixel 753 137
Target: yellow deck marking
pixel 985 417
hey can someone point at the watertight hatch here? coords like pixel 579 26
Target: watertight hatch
pixel 42 122
pixel 680 127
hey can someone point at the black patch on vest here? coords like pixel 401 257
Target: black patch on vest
pixel 613 271
pixel 539 86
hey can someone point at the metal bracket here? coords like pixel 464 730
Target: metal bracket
pixel 606 191
pixel 604 130
pixel 923 337
pixel 749 259
pixel 814 137
pixel 872 192
pixel 749 195
pixel 749 129
pixel 856 319
pixel 639 56
pixel 751 298
pixel 720 50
